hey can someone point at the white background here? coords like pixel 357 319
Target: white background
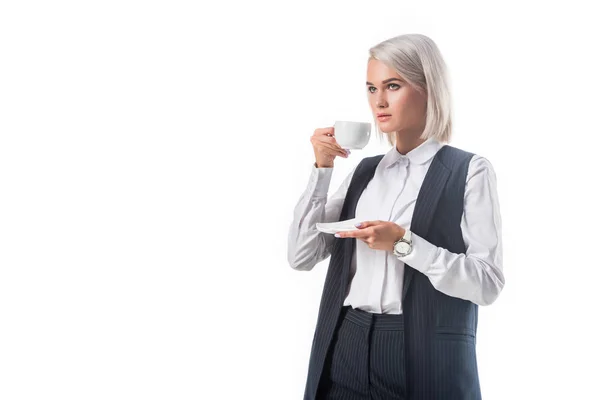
pixel 152 152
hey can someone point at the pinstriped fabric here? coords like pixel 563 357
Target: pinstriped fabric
pixel 439 330
pixel 337 273
pixel 366 360
pixel 386 373
pixel 346 373
pixel 427 200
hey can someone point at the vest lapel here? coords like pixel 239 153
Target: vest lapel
pixel 427 201
pixel 358 186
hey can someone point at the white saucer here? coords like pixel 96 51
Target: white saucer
pixel 340 226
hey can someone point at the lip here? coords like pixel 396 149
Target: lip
pixel 383 117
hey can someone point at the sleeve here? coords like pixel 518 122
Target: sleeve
pixel 306 245
pixel 477 275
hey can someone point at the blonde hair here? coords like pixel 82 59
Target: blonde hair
pixel 418 60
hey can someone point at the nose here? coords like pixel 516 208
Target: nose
pixel 380 102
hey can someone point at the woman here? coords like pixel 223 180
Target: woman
pixel 398 314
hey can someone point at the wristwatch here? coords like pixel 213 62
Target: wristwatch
pixel 403 246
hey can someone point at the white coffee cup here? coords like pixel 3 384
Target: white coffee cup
pixel 352 135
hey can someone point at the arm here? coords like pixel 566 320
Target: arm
pixel 306 245
pixel 477 275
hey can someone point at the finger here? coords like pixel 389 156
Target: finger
pixel 338 149
pixel 353 234
pixel 333 141
pixel 324 131
pixel 333 150
pixel 330 140
pixel 366 224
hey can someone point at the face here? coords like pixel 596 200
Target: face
pixel 390 94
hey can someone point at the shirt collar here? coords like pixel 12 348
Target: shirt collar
pixel 419 155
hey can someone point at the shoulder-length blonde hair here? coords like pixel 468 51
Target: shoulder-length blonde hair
pixel 418 60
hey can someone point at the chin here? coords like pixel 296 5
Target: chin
pixel 387 128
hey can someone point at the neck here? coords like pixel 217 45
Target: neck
pixel 406 143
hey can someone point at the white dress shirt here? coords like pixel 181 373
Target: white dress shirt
pixel 376 276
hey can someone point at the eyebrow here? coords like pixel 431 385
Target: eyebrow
pixel 387 81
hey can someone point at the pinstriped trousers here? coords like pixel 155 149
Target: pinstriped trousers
pixel 366 358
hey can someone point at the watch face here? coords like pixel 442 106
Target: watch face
pixel 402 247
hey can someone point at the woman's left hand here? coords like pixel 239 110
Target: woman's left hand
pixel 378 235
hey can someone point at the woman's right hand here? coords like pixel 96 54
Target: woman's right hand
pixel 326 147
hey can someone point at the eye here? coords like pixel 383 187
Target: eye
pixel 394 84
pixel 371 87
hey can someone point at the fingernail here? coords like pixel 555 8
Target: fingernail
pixel 358 225
pixel 337 235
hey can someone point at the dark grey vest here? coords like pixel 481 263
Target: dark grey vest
pixel 439 329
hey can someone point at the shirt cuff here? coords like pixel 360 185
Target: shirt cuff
pixel 320 179
pixel 422 254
